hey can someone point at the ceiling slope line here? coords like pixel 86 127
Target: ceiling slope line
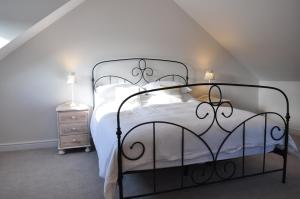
pixel 39 27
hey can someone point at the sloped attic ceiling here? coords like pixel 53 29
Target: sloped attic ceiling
pixel 17 16
pixel 263 35
pixel 22 20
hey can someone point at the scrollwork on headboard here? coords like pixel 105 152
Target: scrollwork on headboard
pixel 140 71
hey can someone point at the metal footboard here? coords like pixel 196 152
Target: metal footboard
pixel 215 170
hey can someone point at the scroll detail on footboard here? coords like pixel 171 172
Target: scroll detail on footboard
pixel 216 169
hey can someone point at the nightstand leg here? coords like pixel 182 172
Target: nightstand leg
pixel 61 152
pixel 88 149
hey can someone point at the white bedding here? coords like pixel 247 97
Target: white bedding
pixel 168 138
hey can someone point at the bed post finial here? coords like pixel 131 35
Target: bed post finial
pixel 93 87
pixel 287 117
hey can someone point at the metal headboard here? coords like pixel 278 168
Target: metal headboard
pixel 139 72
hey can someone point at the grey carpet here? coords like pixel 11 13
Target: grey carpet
pixel 41 174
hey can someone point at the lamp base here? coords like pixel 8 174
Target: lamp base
pixel 72 104
pixel 69 106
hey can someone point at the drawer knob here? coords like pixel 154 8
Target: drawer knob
pixel 74 129
pixel 73 117
pixel 74 140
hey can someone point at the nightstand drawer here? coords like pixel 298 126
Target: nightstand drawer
pixel 74 140
pixel 71 129
pixel 73 116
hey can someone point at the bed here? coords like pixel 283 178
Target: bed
pixel 145 120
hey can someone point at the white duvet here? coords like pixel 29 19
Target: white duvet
pixel 168 137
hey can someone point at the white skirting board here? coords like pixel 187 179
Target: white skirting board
pixel 295 132
pixel 36 144
pixel 52 143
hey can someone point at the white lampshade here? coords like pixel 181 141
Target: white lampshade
pixel 71 79
pixel 209 75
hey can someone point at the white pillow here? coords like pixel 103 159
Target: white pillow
pixel 162 84
pixel 162 98
pixel 152 85
pixel 116 93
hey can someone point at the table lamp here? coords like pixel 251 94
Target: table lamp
pixel 71 79
pixel 209 75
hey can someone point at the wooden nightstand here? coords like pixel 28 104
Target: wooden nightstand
pixel 214 100
pixel 73 127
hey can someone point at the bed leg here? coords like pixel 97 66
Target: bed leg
pixel 283 177
pixel 120 174
pixel 286 143
pixel 120 189
pixel 284 166
pixel 186 171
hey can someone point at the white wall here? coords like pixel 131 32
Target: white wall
pixel 33 78
pixel 273 101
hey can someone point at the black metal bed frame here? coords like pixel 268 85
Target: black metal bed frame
pixel 210 170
